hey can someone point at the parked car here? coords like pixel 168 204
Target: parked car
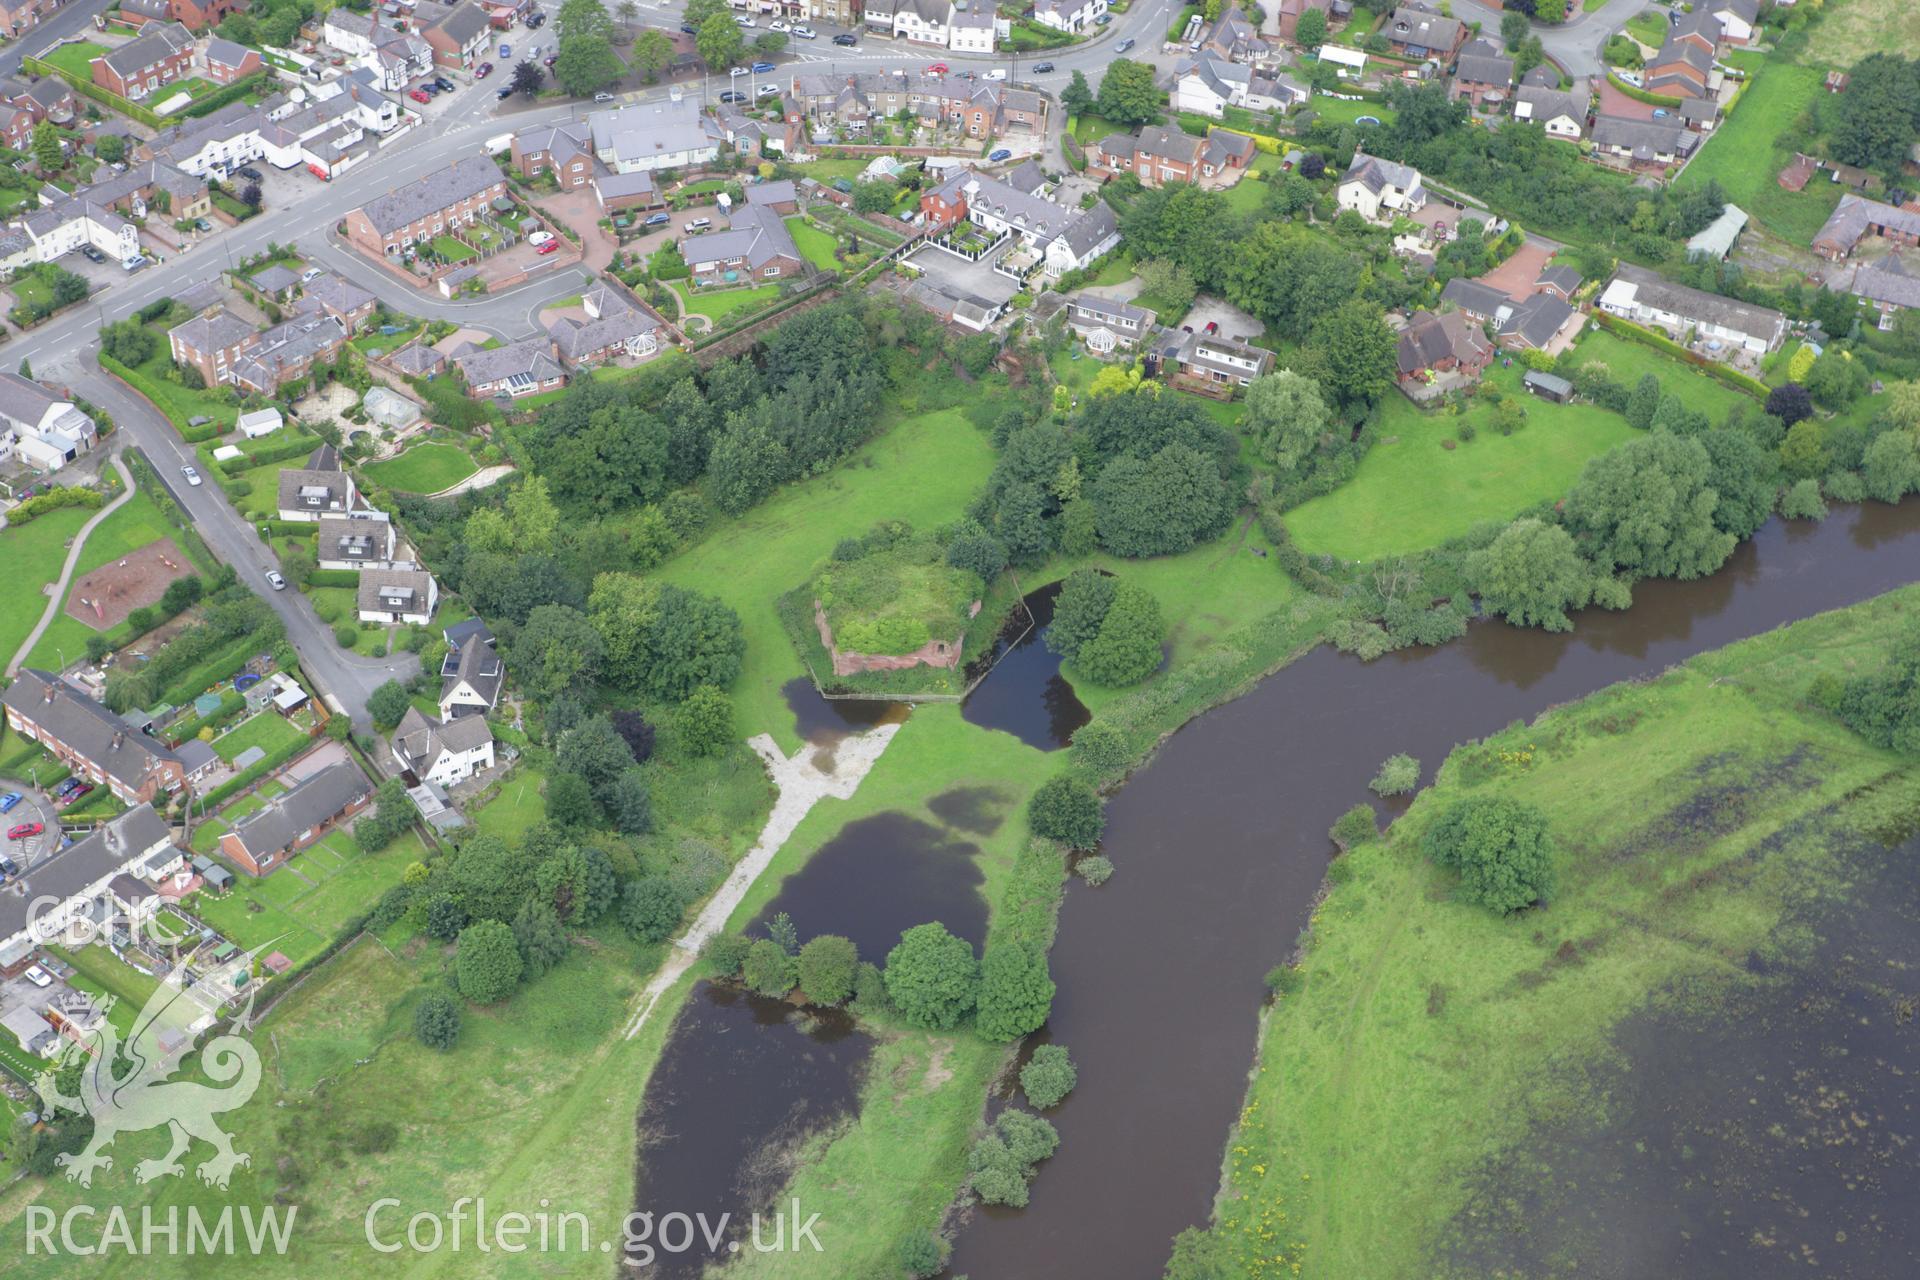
pixel 133 263
pixel 311 274
pixel 767 91
pixel 551 58
pixel 38 976
pixel 657 220
pixel 999 155
pixel 805 32
pixel 9 800
pixel 998 73
pixel 420 95
pixel 761 68
pixel 688 29
pixel 251 174
pixel 1041 68
pixel 26 829
pixel 1213 327
pixel 537 21
pixel 728 95
pixel 506 51
pixel 1104 19
pixel 482 71
pixel 603 96
pixel 936 68
pixel 1123 46
pixel 777 25
pixel 539 238
pixel 275 581
pixel 551 246
pixel 79 791
pixel 66 788
pixel 846 40
pixel 737 71
pixel 1659 113
pixel 697 225
pixel 504 92
pixel 9 867
pixel 193 477
pixel 92 254
pixel 446 85
pixel 743 20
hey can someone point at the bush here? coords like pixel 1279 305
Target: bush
pixel 1068 810
pixel 1803 502
pixel 346 635
pixel 1100 748
pixel 1095 870
pixel 1885 708
pixel 725 954
pixel 1399 775
pixel 922 1256
pixel 1500 847
pixel 436 1022
pixel 650 909
pixel 1049 1076
pixel 932 977
pixel 1356 826
pixel 1000 1163
pixel 387 704
pixel 1016 994
pixel 1284 980
pixel 487 964
pixel 826 969
pixel 705 722
pixel 768 969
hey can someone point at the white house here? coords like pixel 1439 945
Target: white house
pixel 1069 15
pixel 442 752
pixel 395 57
pixel 470 679
pixel 364 540
pixel 58 229
pixel 1738 18
pixel 1378 189
pixel 654 135
pixel 71 884
pixel 1647 298
pixel 41 427
pixel 388 596
pixel 971 26
pixel 922 21
pixel 1208 85
pixel 1091 235
pixel 1562 115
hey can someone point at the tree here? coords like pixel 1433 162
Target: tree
pixel 876 196
pixel 250 195
pixel 1127 649
pixel 630 802
pixel 697 12
pixel 1161 505
pixel 1169 282
pixel 584 18
pixel 1049 1076
pixel 1286 416
pixel 1398 775
pixel 128 341
pixel 1500 847
pixel 634 730
pixel 528 76
pixel 393 812
pixel 1079 610
pixel 47 151
pixel 719 42
pixel 595 751
pixel 769 970
pixel 570 802
pixel 695 640
pixel 69 288
pixel 110 148
pixel 1836 379
pixel 1877 115
pixel 1128 94
pixel 487 963
pixel 1016 994
pixel 1513 29
pixel 650 910
pixel 1068 810
pixel 436 1021
pixel 628 11
pixel 1646 508
pixel 1531 575
pixel 1742 476
pixel 726 953
pixel 1357 352
pixel 924 1255
pixel 1789 402
pixel 1891 466
pixel 1803 454
pixel 557 649
pixel 1802 501
pixel 827 965
pixel 542 939
pixel 1310 31
pixel 932 977
pixel 1000 1163
pixel 652 52
pixel 1077 97
pixel 1643 403
pixel 445 917
pixel 387 704
pixel 704 722
pixel 1884 708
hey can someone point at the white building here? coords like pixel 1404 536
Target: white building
pixel 1738 18
pixel 71 885
pixel 39 426
pixel 1562 115
pixel 1379 189
pixel 442 752
pixel 1069 15
pixel 261 422
pixel 388 596
pixel 1091 235
pixel 654 135
pixel 1208 85
pixel 1347 62
pixel 971 25
pixel 395 57
pixel 1646 298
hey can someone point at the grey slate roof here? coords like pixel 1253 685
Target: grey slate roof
pixel 338 294
pixel 757 234
pixel 212 331
pixel 649 129
pixel 1422 27
pixel 345 538
pixel 780 192
pixel 420 739
pixel 1563 276
pixel 1090 228
pixel 477 665
pixel 86 727
pixel 1480 68
pixel 1475 298
pixel 1429 339
pixel 418 359
pixel 276 825
pixel 389 590
pixel 66 872
pixel 1377 174
pixel 304 489
pixel 463 179
pixel 1886 284
pixel 1536 320
pixel 226 52
pixel 458 634
pixel 1656 291
pixel 1547 104
pixel 530 356
pixel 463 23
pixel 1854 215
pixel 1660 139
pixel 275 278
pixel 156 42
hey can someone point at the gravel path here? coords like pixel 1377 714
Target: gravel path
pixel 59 592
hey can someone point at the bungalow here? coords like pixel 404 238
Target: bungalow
pixel 756 246
pixel 1857 217
pixel 1414 32
pixel 1644 143
pixel 441 752
pixel 1106 325
pixel 615 326
pixel 470 678
pixel 1561 115
pixel 364 540
pixel 297 818
pixel 40 425
pixel 1378 189
pixel 159 55
pixel 524 368
pixel 388 596
pixel 953 306
pixel 1436 344
pixel 90 740
pixel 1648 299
pixel 1483 76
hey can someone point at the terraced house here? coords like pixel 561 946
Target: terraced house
pixel 89 739
pixel 156 57
pixel 440 202
pixel 981 109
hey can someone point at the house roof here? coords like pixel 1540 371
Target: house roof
pixel 457 635
pixel 1475 298
pixel 1423 28
pixel 462 23
pixel 388 589
pixel 1547 382
pixel 420 739
pixel 346 538
pixel 1481 68
pixel 1376 174
pixel 275 278
pixel 529 357
pixel 1542 77
pixel 1536 320
pixel 1429 339
pixel 1542 105
pixel 782 191
pixel 1700 22
pixel 319 799
pixel 1746 10
pixel 228 53
pixel 1685 52
pixel 1716 238
pixel 461 180
pixel 156 42
pixel 212 331
pixel 1101 309
pixel 1661 294
pixel 70 716
pixel 619 321
pixel 648 130
pixel 1660 139
pixel 25 401
pixel 757 234
pixel 302 488
pixel 1204 351
pixel 1887 283
pixel 1086 232
pixel 1563 276
pixel 111 845
pixel 476 665
pixel 417 359
pixel 337 294
pixel 1855 215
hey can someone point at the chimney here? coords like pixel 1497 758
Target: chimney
pixel 119 738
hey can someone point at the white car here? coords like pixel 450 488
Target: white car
pixel 777 25
pixel 275 581
pixel 311 274
pixel 767 91
pixel 998 73
pixel 193 477
pixel 38 976
pixel 738 71
pixel 539 238
pixel 805 32
pixel 743 20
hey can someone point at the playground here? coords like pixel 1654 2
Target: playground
pixel 104 597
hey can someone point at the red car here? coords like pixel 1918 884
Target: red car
pixel 76 793
pixel 551 246
pixel 937 69
pixel 482 71
pixel 420 95
pixel 24 830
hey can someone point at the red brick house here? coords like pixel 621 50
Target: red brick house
pixel 1448 343
pixel 18 16
pixel 296 819
pixel 90 740
pixel 195 15
pixel 1680 69
pixel 459 36
pixel 227 61
pixel 158 56
pixel 1158 155
pixel 454 196
pixel 563 150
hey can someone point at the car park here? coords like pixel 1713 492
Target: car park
pixel 25 830
pixel 657 220
pixel 1041 68
pixel 193 477
pixel 9 800
pixel 846 40
pixel 761 68
pixel 806 33
pixel 1123 46
pixel 482 71
pixel 38 976
pixel 275 581
pixel 999 155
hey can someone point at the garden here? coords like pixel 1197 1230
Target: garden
pixel 428 467
pixel 268 730
pixel 1749 148
pixel 815 245
pixel 718 304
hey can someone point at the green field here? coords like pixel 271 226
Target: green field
pixel 815 245
pixel 1354 1127
pixel 1848 30
pixel 425 468
pixel 1411 492
pixel 1744 155
pixel 268 730
pixel 718 304
pixel 33 554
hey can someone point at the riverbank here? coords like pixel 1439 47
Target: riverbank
pixel 1430 1037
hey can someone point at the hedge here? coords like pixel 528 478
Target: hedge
pixel 260 769
pixel 217 669
pixel 294 528
pixel 54 500
pixel 231 93
pixel 200 434
pixel 294 446
pixel 1641 95
pixel 1661 342
pixel 333 578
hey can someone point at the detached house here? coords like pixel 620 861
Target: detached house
pixel 471 676
pixel 458 35
pixel 90 740
pixel 1106 325
pixel 226 61
pixel 1158 155
pixel 1483 77
pixel 1379 189
pixel 295 819
pixel 1561 115
pixel 1739 19
pixel 1069 15
pixel 1649 299
pixel 389 596
pixel 442 752
pixel 319 489
pixel 40 426
pixel 756 246
pixel 615 326
pixel 524 368
pixel 1435 344
pixel 1419 33
pixel 364 540
pixel 157 56
pixel 1215 364
pixel 1681 68
pixel 1643 143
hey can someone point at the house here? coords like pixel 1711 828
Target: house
pixel 260 422
pixel 1561 115
pixel 1208 84
pixel 1680 69
pixel 1215 363
pixel 70 884
pixel 194 15
pixel 979 108
pixel 20 16
pixel 396 595
pixel 1094 233
pixel 1561 279
pixel 564 150
pixel 1857 217
pixel 1446 343
pixel 226 350
pixel 1648 299
pixel 470 678
pixel 953 306
pixel 756 246
pixel 1069 15
pixel 89 739
pixel 524 368
pixel 447 198
pixel 417 360
pixel 1644 143
pixel 441 752
pixel 226 61
pixel 457 634
pixel 1158 155
pixel 1378 189
pixel 1698 27
pixel 159 55
pixel 458 34
pixel 1715 241
pixel 652 136
pixel 1291 11
pixel 1887 288
pixel 364 540
pixel 1237 39
pixel 1698 114
pixel 319 489
pixel 620 192
pixel 1019 209
pixel 971 25
pixel 1105 325
pixel 1419 33
pixel 1548 386
pixel 615 326
pixel 296 818
pixel 1483 76
pixel 395 57
pixel 781 196
pixel 1539 322
pixel 1739 19
pixel 40 425
pixel 334 296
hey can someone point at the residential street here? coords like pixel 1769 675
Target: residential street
pixel 1575 45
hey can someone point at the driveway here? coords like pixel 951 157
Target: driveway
pixel 977 279
pixel 1233 322
pixel 1516 275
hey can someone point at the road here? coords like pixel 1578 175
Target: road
pixel 1575 45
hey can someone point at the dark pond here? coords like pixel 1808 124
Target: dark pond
pixel 824 721
pixel 1026 695
pixel 741 1083
pixel 1771 1136
pixel 1220 844
pixel 882 875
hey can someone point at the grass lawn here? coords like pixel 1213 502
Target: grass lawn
pixel 373 342
pixel 268 730
pixel 1089 129
pixel 1849 30
pixel 1411 493
pixel 1340 111
pixel 29 289
pixel 1630 361
pixel 451 250
pixel 78 58
pixel 1351 1127
pixel 1744 155
pixel 1117 268
pixel 425 468
pixel 1247 195
pixel 515 807
pixel 827 170
pixel 131 527
pixel 180 405
pixel 815 245
pixel 33 554
pixel 924 470
pixel 721 303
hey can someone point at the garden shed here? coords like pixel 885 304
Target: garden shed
pixel 1548 386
